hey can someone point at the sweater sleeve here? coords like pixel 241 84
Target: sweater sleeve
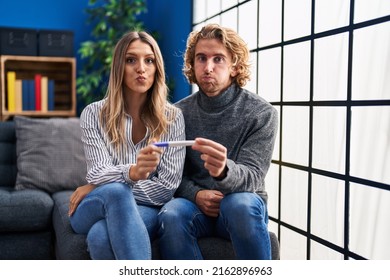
pixel 187 188
pixel 250 167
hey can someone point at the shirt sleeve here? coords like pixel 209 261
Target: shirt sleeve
pixel 101 169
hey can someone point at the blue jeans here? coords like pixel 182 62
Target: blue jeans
pixel 116 227
pixel 243 219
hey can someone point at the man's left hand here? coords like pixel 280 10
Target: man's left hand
pixel 214 156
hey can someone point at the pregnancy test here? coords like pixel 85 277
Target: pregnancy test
pixel 175 143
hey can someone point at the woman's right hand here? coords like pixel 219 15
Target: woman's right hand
pixel 147 161
pixel 77 196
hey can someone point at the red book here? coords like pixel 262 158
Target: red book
pixel 38 92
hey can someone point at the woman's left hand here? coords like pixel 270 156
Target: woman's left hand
pixel 77 196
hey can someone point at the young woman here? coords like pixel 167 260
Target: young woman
pixel 129 177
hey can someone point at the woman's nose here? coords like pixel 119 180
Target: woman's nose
pixel 141 68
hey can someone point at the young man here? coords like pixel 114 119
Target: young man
pixel 222 192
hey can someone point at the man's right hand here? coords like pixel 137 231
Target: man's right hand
pixel 208 202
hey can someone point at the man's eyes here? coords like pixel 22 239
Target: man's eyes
pixel 201 58
pixel 217 59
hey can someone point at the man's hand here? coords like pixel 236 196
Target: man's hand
pixel 208 202
pixel 77 196
pixel 147 161
pixel 214 156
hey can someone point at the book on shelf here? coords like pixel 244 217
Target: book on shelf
pixel 28 95
pixel 36 94
pixel 50 98
pixel 11 77
pixel 18 95
pixel 44 93
pixel 32 95
pixel 38 101
pixel 25 95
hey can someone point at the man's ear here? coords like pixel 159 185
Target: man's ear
pixel 233 71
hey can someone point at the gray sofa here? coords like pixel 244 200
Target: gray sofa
pixel 33 218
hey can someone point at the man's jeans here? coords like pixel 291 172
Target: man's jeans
pixel 116 227
pixel 243 219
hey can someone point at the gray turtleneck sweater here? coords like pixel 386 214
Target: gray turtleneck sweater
pixel 241 121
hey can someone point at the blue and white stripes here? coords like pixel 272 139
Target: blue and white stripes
pixel 106 164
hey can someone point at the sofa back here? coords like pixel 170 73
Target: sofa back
pixel 8 167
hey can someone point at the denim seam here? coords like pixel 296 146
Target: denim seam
pixel 195 240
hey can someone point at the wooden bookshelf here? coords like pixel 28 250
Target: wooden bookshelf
pixel 60 69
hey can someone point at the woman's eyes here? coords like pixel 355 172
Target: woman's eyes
pixel 130 60
pixel 149 60
pixel 133 60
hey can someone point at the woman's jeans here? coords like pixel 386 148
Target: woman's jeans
pixel 116 227
pixel 243 219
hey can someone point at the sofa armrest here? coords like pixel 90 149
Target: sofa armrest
pixel 68 244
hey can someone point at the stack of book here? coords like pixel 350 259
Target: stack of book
pixel 29 94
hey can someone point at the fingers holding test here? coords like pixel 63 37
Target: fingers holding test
pixel 147 162
pixel 213 154
pixel 149 156
pixel 207 146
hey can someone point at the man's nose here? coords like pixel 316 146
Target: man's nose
pixel 209 66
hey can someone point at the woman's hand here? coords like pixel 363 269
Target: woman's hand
pixel 147 161
pixel 78 195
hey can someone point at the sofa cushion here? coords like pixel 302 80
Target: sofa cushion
pixel 28 210
pixel 50 154
pixel 7 154
pixel 26 245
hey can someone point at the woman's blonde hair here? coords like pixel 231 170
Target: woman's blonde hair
pixel 157 111
pixel 233 43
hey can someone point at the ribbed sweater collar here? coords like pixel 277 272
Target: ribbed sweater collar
pixel 215 103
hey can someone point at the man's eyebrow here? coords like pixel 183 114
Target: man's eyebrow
pixel 214 54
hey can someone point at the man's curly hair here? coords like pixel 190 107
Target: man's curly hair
pixel 231 40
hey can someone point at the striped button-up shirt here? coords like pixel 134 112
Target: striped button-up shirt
pixel 106 164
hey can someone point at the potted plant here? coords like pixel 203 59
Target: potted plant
pixel 111 19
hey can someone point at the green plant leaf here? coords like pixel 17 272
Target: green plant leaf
pixel 110 19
